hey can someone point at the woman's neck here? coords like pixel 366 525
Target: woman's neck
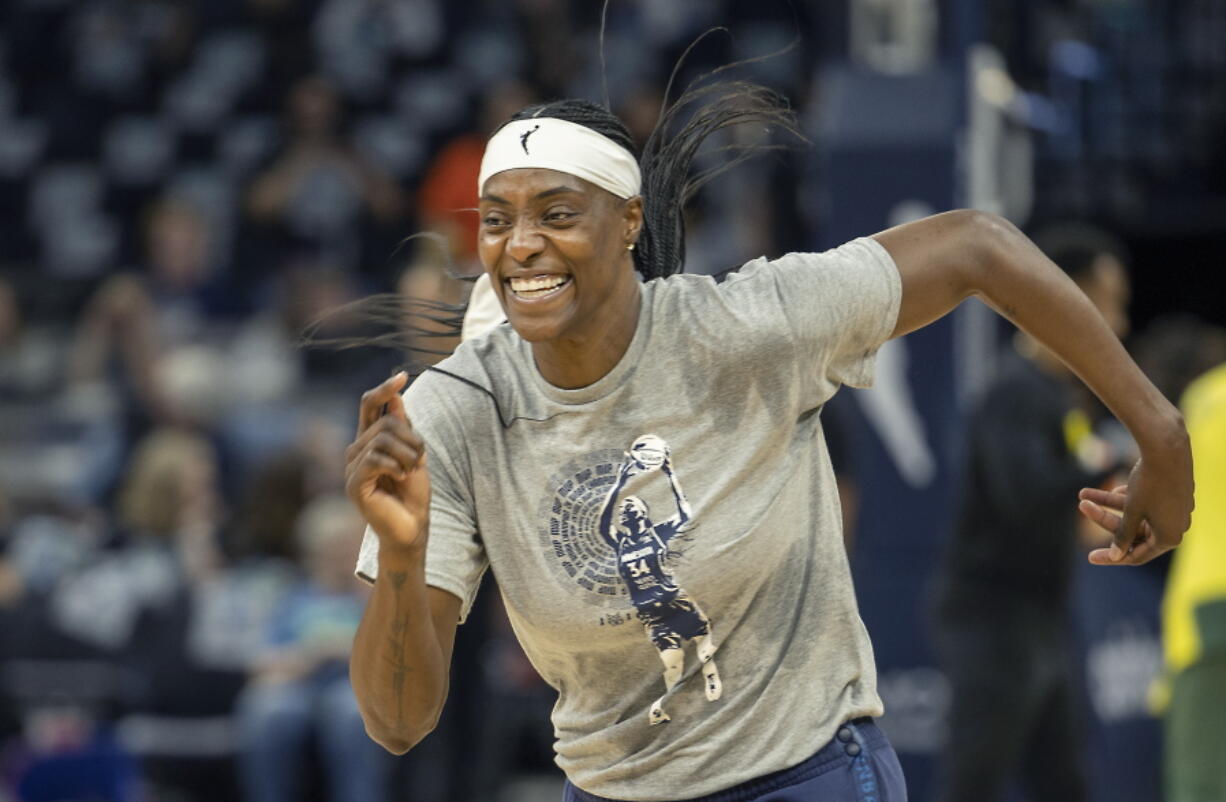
pixel 577 361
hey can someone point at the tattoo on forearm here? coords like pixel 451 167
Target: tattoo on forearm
pixel 396 645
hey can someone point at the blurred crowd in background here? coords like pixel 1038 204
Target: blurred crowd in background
pixel 186 186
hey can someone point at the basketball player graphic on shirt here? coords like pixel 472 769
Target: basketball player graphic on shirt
pixel 667 612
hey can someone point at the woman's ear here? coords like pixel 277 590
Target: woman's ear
pixel 632 219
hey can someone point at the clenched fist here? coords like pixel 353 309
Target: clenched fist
pixel 385 469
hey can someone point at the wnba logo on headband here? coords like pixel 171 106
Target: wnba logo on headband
pixel 523 138
pixel 563 146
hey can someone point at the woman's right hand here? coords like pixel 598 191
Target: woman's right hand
pixel 385 470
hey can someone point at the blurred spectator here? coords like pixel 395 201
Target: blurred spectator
pixel 1174 350
pixel 119 322
pixel 1194 609
pixel 299 695
pixel 169 512
pixel 545 27
pixel 11 583
pixel 12 589
pixel 271 501
pixel 641 111
pixel 230 614
pixel 10 336
pixel 315 293
pixel 264 362
pixel 140 319
pixel 87 639
pixel 1116 612
pixel 318 189
pixel 31 352
pixel 1003 615
pixel 357 40
pixel 277 392
pixel 10 317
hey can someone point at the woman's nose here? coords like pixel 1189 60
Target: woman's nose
pixel 525 242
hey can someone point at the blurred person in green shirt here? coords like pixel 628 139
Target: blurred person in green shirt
pixel 1194 611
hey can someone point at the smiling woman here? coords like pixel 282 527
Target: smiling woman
pixel 558 251
pixel 582 515
pixel 564 203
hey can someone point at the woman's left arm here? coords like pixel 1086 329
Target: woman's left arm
pixel 949 257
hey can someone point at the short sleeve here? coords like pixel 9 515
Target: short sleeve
pixel 838 306
pixel 455 557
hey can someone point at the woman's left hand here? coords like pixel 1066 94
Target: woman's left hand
pixel 1147 516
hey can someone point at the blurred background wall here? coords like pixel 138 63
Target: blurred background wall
pixel 184 186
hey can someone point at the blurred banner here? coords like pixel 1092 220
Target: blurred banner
pixel 889 156
pixel 1119 644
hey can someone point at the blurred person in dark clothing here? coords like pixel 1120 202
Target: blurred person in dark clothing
pixel 137 317
pixel 12 585
pixel 10 338
pixel 169 514
pixel 641 109
pixel 1175 350
pixel 299 691
pixel 544 27
pixel 318 190
pixel 1003 604
pixel 95 623
pixel 268 367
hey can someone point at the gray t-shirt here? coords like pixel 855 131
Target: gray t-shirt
pixel 673 524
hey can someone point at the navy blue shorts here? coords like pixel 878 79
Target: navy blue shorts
pixel 670 623
pixel 858 765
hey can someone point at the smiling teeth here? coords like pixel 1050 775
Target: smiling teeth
pixel 538 285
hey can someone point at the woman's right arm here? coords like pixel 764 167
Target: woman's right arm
pixel 402 654
pixel 402 651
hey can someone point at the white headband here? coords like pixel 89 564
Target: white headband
pixel 567 147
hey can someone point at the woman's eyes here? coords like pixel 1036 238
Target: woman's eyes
pixel 555 217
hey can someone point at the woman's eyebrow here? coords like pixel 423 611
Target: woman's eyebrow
pixel 544 194
pixel 555 191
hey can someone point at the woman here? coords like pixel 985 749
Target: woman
pixel 505 454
